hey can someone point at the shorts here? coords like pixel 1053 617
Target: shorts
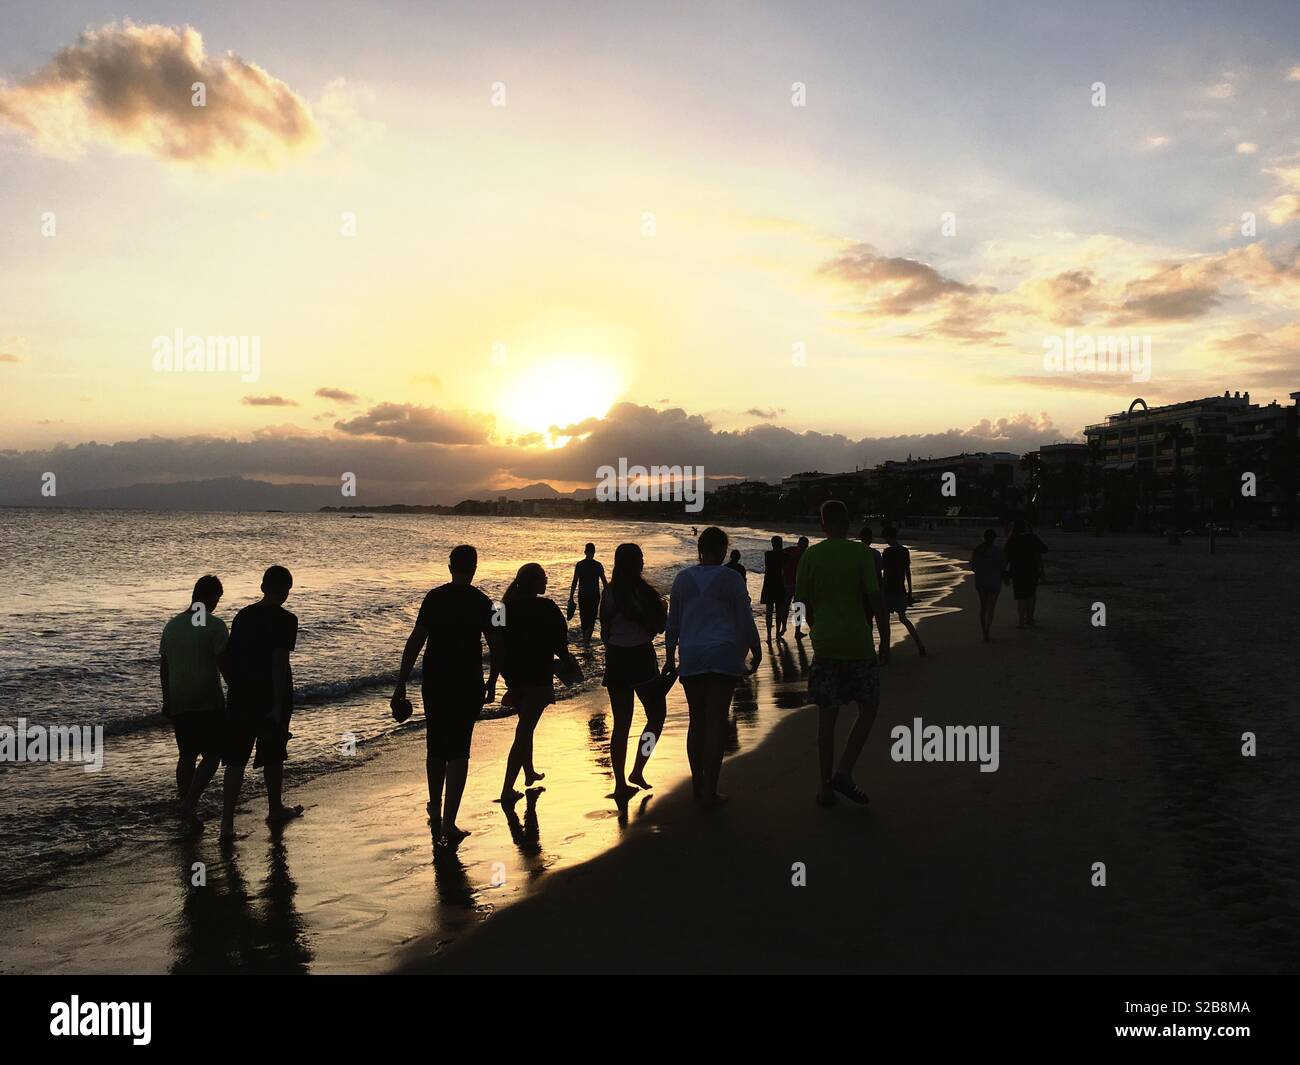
pixel 700 686
pixel 896 602
pixel 449 723
pixel 1025 585
pixel 200 732
pixel 587 607
pixel 835 682
pixel 773 591
pixel 630 667
pixel 249 730
pixel 531 698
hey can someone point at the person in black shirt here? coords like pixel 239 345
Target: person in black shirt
pixel 589 582
pixel 737 565
pixel 454 620
pixel 1024 554
pixel 260 700
pixel 772 595
pixel 535 635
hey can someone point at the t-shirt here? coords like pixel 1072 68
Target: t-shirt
pixel 535 632
pixel 738 567
pixel 834 578
pixel 988 563
pixel 257 632
pixel 790 564
pixel 880 564
pixel 193 680
pixel 589 573
pixel 710 620
pixel 896 559
pixel 1022 554
pixel 457 617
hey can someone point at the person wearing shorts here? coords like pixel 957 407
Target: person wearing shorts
pixel 454 621
pixel 589 584
pixel 710 620
pixel 838 584
pixel 262 636
pixel 192 655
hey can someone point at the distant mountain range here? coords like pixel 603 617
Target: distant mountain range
pixel 242 493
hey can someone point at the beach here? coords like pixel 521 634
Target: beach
pixel 1110 750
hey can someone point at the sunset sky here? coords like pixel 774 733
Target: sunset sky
pixel 649 251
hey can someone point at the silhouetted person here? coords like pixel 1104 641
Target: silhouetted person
pixel 988 561
pixel 454 620
pixel 589 582
pixel 1025 567
pixel 737 565
pixel 898 582
pixel 262 637
pixel 535 636
pixel 838 585
pixel 865 536
pixel 790 569
pixel 192 662
pixel 773 595
pixel 710 620
pixel 632 614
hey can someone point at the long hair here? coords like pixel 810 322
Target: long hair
pixel 527 583
pixel 630 594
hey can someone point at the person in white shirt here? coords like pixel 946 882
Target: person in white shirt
pixel 710 621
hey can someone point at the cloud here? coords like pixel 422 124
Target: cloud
pixel 1286 207
pixel 338 395
pixel 1152 144
pixel 268 401
pixel 394 470
pixel 9 356
pixel 131 87
pixel 1247 148
pixel 13 349
pixel 766 415
pixel 416 424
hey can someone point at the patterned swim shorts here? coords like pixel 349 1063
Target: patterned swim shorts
pixel 834 682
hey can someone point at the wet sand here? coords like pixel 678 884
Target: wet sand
pixel 951 870
pixel 1108 753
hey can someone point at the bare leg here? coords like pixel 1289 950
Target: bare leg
pixel 782 616
pixel 621 703
pixel 857 740
pixel 907 624
pixel 435 769
pixel 771 609
pixel 826 718
pixel 202 777
pixel 230 785
pixel 719 707
pixel 695 703
pixel 457 770
pixel 656 710
pixel 184 775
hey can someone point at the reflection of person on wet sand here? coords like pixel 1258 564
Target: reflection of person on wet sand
pixel 632 614
pixel 535 636
pixel 454 620
pixel 527 835
pixel 220 930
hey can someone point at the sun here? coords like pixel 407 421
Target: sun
pixel 561 391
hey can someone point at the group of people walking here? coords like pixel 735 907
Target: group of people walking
pixel 840 588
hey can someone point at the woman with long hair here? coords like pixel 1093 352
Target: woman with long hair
pixel 710 619
pixel 632 614
pixel 535 635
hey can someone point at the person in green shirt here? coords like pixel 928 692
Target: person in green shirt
pixel 193 661
pixel 836 586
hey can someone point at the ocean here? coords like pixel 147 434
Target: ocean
pixel 87 593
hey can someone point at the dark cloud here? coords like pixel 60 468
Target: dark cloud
pixel 394 470
pixel 131 87
pixel 268 401
pixel 338 395
pixel 418 425
pixel 766 415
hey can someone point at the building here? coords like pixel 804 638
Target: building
pixel 1187 463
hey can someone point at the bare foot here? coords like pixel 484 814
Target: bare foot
pixel 621 792
pixel 453 837
pixel 532 778
pixel 640 781
pixel 510 796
